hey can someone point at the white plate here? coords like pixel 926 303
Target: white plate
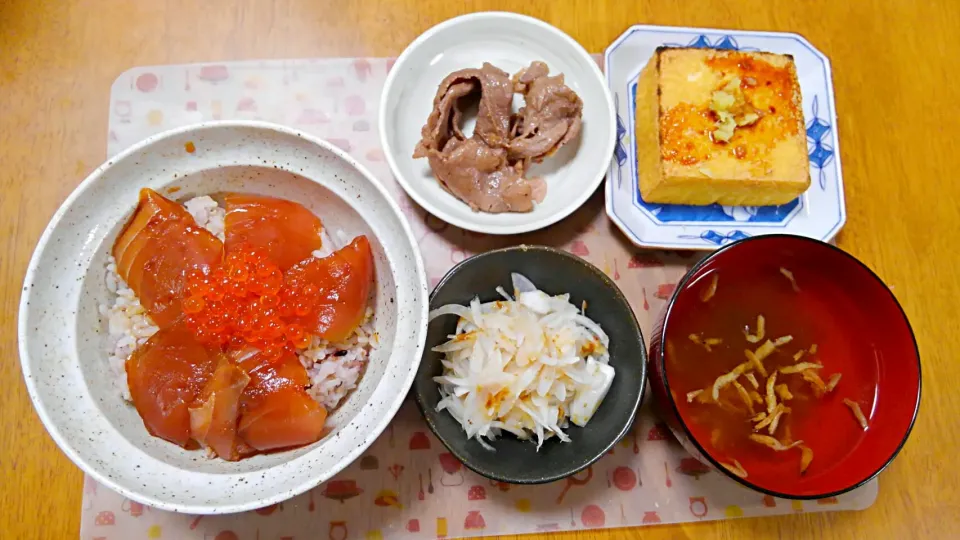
pixel 62 335
pixel 510 42
pixel 819 213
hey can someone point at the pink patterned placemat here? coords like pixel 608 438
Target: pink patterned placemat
pixel 406 485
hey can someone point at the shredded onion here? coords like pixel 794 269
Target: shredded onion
pixel 527 365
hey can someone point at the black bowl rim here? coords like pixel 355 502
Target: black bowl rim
pixel 661 363
pixel 628 424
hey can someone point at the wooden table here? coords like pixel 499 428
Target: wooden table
pixel 899 120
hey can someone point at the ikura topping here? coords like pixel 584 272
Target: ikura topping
pixel 245 302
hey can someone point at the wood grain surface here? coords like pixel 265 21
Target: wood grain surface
pixel 894 66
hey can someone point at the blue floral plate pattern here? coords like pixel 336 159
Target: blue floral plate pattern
pixel 819 213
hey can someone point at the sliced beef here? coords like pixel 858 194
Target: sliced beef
pixel 551 117
pixel 482 177
pixel 529 74
pixel 486 170
pixel 443 122
pixel 493 115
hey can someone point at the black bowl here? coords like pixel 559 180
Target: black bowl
pixel 554 272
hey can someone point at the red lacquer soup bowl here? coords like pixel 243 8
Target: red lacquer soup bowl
pixel 788 365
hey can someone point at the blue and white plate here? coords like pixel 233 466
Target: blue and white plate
pixel 818 213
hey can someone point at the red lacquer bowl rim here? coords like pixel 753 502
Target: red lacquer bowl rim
pixel 661 365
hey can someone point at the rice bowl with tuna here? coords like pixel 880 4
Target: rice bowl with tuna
pixel 250 327
pixel 334 368
pixel 62 335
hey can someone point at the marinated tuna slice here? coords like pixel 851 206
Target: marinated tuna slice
pixel 157 248
pixel 266 374
pixel 287 231
pixel 283 419
pixel 276 411
pixel 213 419
pixel 551 117
pixel 166 376
pixel 330 295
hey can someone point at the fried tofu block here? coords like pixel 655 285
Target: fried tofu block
pixel 720 127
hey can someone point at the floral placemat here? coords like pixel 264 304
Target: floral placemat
pixel 406 485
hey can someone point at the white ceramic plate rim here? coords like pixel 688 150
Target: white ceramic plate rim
pixel 654 234
pixel 589 188
pixel 310 479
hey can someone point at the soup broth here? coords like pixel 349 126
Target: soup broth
pixel 804 315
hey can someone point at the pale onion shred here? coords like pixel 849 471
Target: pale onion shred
pixel 528 365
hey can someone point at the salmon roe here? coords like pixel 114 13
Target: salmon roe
pixel 245 302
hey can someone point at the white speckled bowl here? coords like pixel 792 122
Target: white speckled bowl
pixel 62 336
